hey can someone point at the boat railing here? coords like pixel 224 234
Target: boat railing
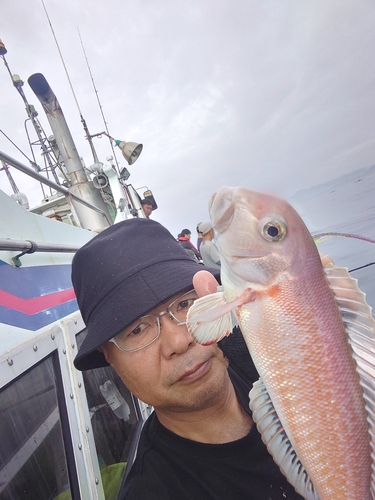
pixel 41 178
pixel 28 246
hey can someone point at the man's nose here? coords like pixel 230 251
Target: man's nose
pixel 175 338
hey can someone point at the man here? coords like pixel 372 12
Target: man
pixel 199 236
pixel 208 250
pixel 147 207
pixel 133 284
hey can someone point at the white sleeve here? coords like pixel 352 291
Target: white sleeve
pixel 215 254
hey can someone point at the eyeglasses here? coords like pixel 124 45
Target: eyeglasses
pixel 146 329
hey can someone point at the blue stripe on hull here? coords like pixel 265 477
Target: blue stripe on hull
pixel 39 320
pixel 28 282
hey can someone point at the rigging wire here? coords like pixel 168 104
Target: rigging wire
pixel 15 145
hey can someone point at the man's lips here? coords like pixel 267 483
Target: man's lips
pixel 196 372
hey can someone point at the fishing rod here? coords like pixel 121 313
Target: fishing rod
pixel 362 267
pixel 111 140
pixel 318 238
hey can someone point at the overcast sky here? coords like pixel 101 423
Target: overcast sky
pixel 274 95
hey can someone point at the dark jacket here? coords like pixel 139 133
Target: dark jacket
pixel 189 247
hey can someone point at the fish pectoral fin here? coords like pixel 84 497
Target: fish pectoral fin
pixel 360 328
pixel 278 444
pixel 211 318
pixel 325 259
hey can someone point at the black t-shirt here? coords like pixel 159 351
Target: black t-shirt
pixel 170 467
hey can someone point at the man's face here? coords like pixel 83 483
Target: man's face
pixel 147 208
pixel 173 374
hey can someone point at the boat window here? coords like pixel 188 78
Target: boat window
pixel 115 417
pixel 32 454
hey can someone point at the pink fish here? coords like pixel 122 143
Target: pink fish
pixel 311 336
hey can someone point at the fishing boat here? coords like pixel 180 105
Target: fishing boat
pixel 64 434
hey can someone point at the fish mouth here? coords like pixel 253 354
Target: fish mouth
pixel 239 257
pixel 245 256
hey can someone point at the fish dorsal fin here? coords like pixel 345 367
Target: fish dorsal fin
pixel 211 318
pixel 277 442
pixel 360 328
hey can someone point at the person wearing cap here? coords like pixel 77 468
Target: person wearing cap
pixel 133 284
pixel 147 207
pixel 208 250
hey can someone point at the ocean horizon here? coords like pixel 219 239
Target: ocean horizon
pixel 345 205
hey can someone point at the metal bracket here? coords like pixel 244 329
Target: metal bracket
pixel 16 260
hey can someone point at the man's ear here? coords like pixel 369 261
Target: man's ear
pixel 103 349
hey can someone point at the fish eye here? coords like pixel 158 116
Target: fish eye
pixel 272 228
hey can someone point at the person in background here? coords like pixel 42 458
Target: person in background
pixel 184 240
pixel 199 237
pixel 208 250
pixel 147 207
pixel 200 442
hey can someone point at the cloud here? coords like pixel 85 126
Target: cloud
pixel 275 96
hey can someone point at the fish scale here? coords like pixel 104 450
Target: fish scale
pixel 311 336
pixel 289 370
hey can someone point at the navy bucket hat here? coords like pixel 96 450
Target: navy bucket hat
pixel 122 274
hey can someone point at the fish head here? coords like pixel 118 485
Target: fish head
pixel 259 237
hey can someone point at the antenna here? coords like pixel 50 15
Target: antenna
pixel 50 160
pixel 97 97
